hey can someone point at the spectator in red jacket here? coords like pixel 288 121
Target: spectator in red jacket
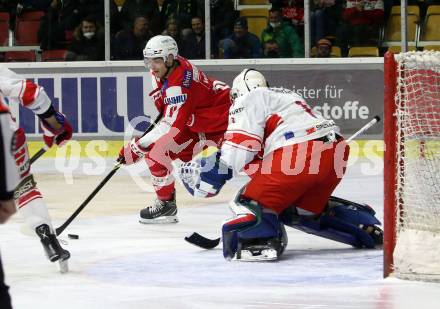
pixel 363 19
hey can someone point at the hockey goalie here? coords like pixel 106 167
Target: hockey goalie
pixel 295 159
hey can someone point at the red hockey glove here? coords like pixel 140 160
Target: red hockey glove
pixel 132 152
pixel 60 135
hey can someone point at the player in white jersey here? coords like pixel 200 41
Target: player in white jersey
pixel 295 159
pixel 9 179
pixel 16 90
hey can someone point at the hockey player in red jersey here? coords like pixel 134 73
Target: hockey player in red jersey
pixel 194 110
pixel 295 159
pixel 16 90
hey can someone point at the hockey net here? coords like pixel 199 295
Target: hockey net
pixel 412 166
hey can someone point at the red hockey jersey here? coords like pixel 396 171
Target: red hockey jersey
pixel 188 98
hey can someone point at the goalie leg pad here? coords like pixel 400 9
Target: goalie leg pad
pixel 343 221
pixel 246 214
pixel 351 212
pixel 264 242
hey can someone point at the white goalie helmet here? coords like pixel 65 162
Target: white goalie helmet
pixel 160 46
pixel 246 81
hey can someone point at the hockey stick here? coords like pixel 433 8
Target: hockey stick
pixel 206 243
pixel 371 123
pixel 39 153
pixel 63 226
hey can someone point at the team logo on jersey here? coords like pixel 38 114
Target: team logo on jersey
pixel 178 99
pixel 187 78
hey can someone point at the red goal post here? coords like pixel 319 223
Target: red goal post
pixel 412 165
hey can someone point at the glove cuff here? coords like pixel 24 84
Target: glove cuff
pixel 50 112
pixel 136 148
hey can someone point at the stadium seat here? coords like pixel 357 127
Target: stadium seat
pixel 256 24
pixel 432 47
pixel 4 28
pixel 20 56
pixel 411 9
pixel 363 52
pixel 397 49
pixel 119 2
pixel 53 55
pixel 392 29
pixel 431 26
pixel 257 20
pixel 24 22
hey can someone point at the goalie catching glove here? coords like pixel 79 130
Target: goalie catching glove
pixel 132 152
pixel 55 128
pixel 205 177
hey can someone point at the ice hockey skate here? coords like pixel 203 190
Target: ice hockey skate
pixel 52 247
pixel 160 212
pixel 259 250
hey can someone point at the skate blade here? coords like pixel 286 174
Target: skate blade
pixel 160 220
pixel 266 255
pixel 63 266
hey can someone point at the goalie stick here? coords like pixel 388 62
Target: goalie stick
pixel 206 243
pixel 63 226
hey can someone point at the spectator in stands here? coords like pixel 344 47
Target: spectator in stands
pixel 182 11
pixel 242 43
pixel 157 11
pixel 158 17
pixel 88 42
pixel 132 8
pixel 172 28
pixel 271 49
pixel 223 16
pixel 291 11
pixel 129 44
pixel 32 5
pixel 95 10
pixel 290 45
pixel 363 20
pixel 51 31
pixel 325 17
pixel 61 17
pixel 193 45
pixel 323 48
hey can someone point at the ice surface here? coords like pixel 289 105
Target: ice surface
pixel 119 263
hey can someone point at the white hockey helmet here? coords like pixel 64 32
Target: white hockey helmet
pixel 160 46
pixel 246 81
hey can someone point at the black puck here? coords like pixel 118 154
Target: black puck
pixel 73 236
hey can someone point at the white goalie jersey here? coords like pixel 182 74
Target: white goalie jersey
pixel 266 119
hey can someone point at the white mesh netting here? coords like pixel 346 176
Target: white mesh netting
pixel 417 252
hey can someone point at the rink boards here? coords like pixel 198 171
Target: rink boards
pixel 110 99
